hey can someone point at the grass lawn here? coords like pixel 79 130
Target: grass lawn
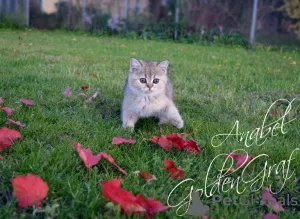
pixel 213 87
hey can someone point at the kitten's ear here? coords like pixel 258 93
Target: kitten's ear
pixel 164 65
pixel 134 64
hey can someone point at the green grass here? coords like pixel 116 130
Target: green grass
pixel 213 86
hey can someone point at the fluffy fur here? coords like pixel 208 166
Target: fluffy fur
pixel 149 99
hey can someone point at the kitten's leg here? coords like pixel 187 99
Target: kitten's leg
pixel 172 115
pixel 129 119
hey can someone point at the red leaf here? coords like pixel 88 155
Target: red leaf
pixel 117 140
pixel 1 157
pixel 8 110
pixel 67 92
pixel 204 217
pixel 92 97
pixel 192 146
pixel 86 155
pixel 147 176
pixel 84 87
pixel 271 202
pixel 150 204
pixel 7 136
pixel 240 158
pixel 275 112
pixel 112 161
pixel 162 141
pixel 90 160
pixel 29 190
pixel 27 102
pixel 177 141
pixel 270 216
pixel 112 191
pixel 174 172
pixel 10 121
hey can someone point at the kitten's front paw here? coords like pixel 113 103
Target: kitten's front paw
pixel 178 124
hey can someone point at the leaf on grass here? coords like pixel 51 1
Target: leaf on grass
pixel 167 142
pixel 7 110
pixel 1 157
pixel 67 92
pixel 112 161
pixel 27 102
pixel 29 190
pixel 84 87
pixel 270 216
pixel 240 158
pixel 18 123
pixel 162 141
pixel 174 172
pixel 90 160
pixel 192 146
pixel 7 137
pixel 270 201
pixel 86 155
pixel 177 141
pixel 117 140
pixel 275 112
pixel 146 176
pixel 91 98
pixel 129 203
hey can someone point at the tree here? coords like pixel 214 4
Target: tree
pixel 291 10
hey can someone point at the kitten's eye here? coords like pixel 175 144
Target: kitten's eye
pixel 155 81
pixel 143 80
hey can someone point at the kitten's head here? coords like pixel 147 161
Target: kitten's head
pixel 148 77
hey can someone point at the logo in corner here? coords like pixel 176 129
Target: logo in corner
pixel 197 208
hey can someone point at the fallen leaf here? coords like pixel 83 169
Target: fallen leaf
pixel 129 203
pixel 271 202
pixel 146 176
pixel 167 142
pixel 174 172
pixel 27 102
pixel 7 137
pixel 7 110
pixel 177 141
pixel 67 92
pixel 86 155
pixel 112 161
pixel 90 160
pixel 17 52
pixel 192 146
pixel 270 216
pixel 84 87
pixel 162 141
pixel 1 157
pixel 93 75
pixel 275 112
pixel 29 190
pixel 133 53
pixel 91 97
pixel 293 63
pixel 240 158
pixel 10 121
pixel 117 140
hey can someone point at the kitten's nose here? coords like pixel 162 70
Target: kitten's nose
pixel 149 86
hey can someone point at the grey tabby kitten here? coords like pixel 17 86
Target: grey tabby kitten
pixel 148 92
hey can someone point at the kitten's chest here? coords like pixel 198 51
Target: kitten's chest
pixel 149 106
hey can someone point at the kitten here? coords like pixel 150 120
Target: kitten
pixel 148 92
